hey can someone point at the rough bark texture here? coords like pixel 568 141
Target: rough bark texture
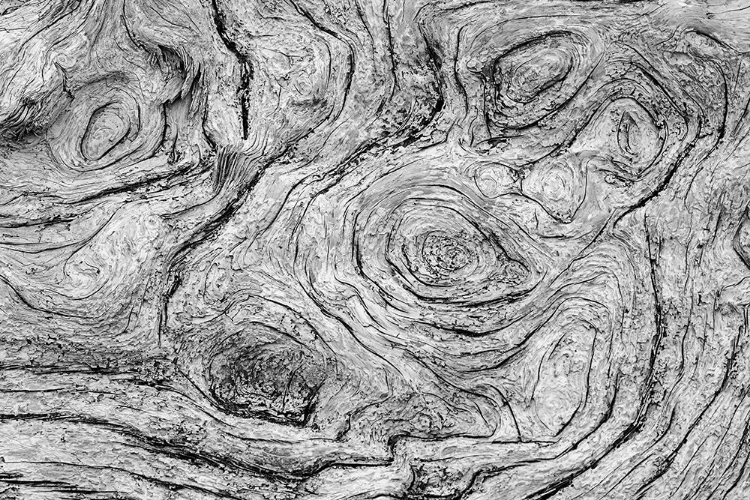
pixel 392 249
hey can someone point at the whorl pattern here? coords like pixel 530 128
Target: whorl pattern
pixel 374 249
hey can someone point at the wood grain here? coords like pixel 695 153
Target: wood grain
pixel 374 249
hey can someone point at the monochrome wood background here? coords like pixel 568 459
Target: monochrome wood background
pixel 374 249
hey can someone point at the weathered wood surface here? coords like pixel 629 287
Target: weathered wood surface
pixel 283 249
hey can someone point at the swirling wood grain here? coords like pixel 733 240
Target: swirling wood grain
pixel 374 249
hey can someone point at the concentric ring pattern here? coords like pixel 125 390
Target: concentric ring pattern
pixel 377 250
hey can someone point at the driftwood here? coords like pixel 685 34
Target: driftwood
pixel 374 249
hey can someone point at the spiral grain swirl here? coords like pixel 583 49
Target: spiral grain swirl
pixel 378 250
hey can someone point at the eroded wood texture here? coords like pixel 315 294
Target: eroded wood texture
pixel 282 249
